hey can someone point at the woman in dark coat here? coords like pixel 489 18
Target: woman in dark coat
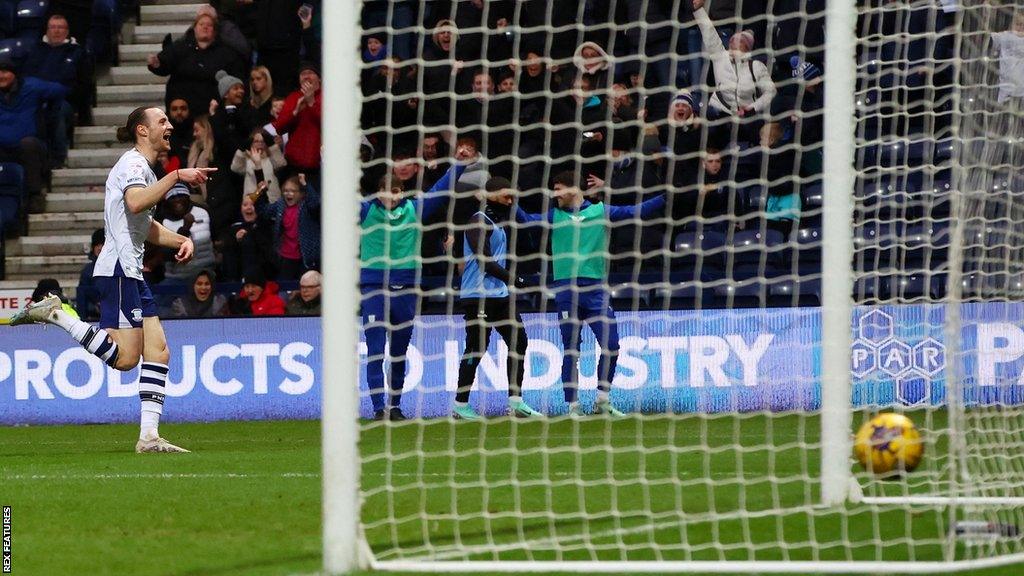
pixel 192 61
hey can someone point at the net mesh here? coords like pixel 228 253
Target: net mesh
pixel 715 294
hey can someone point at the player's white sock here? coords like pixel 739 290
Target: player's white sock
pixel 574 406
pixel 151 394
pixel 602 396
pixel 95 340
pixel 461 404
pixel 513 400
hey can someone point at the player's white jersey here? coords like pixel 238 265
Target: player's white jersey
pixel 125 232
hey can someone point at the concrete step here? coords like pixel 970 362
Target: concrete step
pixel 24 267
pixel 80 177
pixel 168 13
pixel 64 222
pixel 93 157
pixel 137 53
pixel 137 74
pixel 155 33
pixel 97 137
pixel 67 284
pixel 136 94
pixel 112 114
pixel 50 245
pixel 60 200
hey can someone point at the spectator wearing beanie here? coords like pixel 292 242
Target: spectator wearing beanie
pixel 232 119
pixel 192 222
pixel 300 118
pixel 258 297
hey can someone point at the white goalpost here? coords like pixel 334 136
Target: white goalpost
pixel 771 291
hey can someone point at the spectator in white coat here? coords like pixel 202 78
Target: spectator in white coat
pixel 191 221
pixel 743 85
pixel 259 163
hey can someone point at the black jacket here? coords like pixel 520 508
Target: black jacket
pixel 192 70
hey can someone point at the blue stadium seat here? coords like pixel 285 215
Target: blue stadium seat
pixel 14 50
pixel 101 41
pixel 629 297
pixel 703 251
pixel 31 18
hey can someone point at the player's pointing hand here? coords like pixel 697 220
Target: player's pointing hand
pixel 195 176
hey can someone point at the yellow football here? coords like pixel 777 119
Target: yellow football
pixel 888 443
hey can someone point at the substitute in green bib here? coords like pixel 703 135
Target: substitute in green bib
pixel 580 231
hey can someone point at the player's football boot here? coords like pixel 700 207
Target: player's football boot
pixel 464 413
pixel 605 408
pixel 157 445
pixel 395 414
pixel 520 409
pixel 575 412
pixel 37 312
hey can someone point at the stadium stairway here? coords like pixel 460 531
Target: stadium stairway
pixel 57 241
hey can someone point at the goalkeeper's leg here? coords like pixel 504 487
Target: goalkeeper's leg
pixel 513 331
pixel 478 336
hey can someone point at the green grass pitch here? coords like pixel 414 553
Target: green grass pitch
pixel 247 501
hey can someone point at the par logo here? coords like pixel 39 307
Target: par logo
pixel 911 365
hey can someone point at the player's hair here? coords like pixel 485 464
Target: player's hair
pixel 387 182
pixel 496 183
pixel 566 178
pixel 126 133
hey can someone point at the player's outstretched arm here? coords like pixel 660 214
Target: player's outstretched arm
pixel 647 209
pixel 164 237
pixel 138 199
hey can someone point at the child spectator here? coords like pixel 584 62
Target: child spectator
pixel 258 163
pixel 248 244
pixel 296 220
pixel 201 301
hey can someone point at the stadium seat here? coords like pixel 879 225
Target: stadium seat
pixel 14 50
pixel 703 252
pixel 796 292
pixel 31 19
pixel 629 297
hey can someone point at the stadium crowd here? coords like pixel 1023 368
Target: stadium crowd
pixel 709 101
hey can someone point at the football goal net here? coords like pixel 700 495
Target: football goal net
pixel 610 286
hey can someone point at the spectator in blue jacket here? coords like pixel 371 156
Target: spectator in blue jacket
pixel 59 58
pixel 296 219
pixel 20 102
pixel 87 296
